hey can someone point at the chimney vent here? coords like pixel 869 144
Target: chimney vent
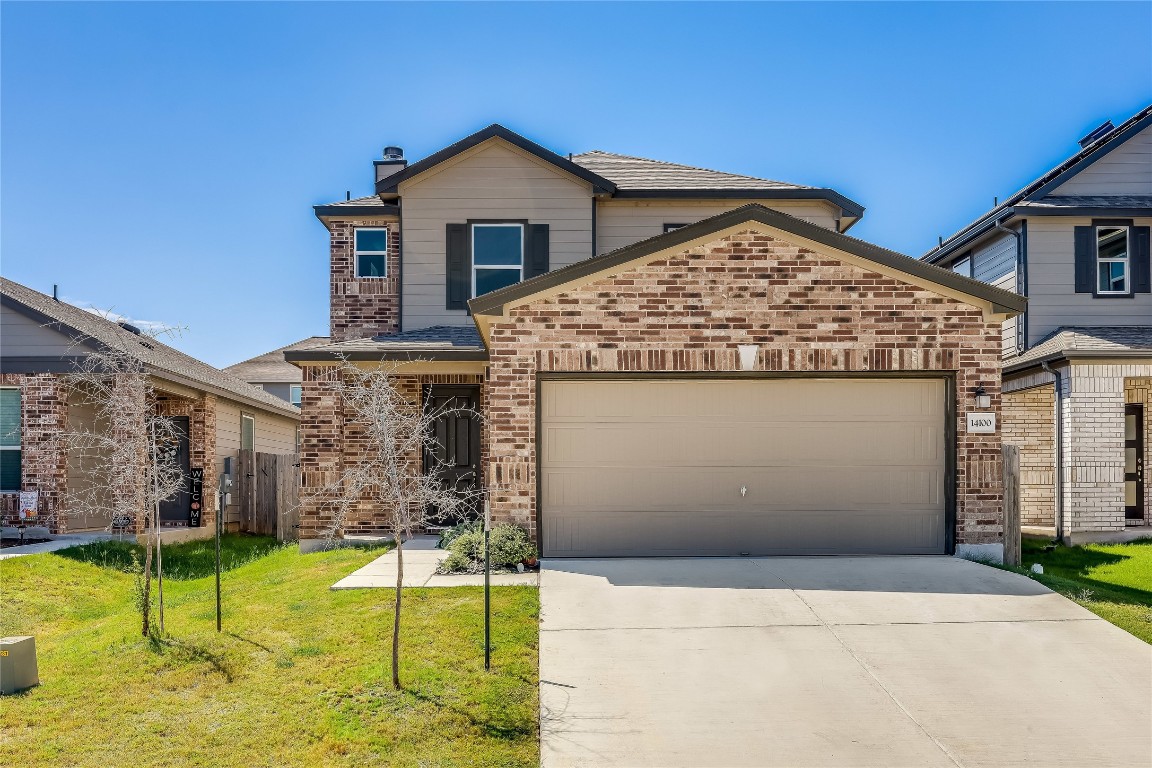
pixel 392 163
pixel 393 153
pixel 1097 134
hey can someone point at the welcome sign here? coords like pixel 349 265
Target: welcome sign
pixel 196 497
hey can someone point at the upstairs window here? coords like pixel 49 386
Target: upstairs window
pixel 371 252
pixel 1112 264
pixel 10 453
pixel 497 256
pixel 294 394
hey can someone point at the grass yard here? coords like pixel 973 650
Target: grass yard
pixel 1114 581
pixel 300 676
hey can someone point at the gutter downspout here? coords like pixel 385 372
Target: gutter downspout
pixel 1020 278
pixel 1059 485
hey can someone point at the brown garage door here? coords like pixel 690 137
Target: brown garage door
pixel 732 467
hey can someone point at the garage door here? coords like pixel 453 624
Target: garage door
pixel 735 467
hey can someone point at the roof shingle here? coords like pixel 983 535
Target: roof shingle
pixel 271 367
pixel 642 173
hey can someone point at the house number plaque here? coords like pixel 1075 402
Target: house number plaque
pixel 982 423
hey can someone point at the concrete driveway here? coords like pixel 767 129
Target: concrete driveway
pixel 880 661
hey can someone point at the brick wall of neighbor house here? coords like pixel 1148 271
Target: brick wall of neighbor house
pixel 1030 423
pixel 1139 390
pixel 809 312
pixel 1094 397
pixel 331 441
pixel 201 413
pixel 44 462
pixel 363 307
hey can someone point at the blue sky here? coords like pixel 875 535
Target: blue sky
pixel 161 160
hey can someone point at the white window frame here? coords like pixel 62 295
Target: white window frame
pixel 357 253
pixel 19 442
pixel 298 391
pixel 247 417
pixel 1126 261
pixel 472 245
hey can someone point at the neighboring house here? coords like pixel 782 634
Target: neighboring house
pixel 272 373
pixel 670 360
pixel 41 341
pixel 1078 364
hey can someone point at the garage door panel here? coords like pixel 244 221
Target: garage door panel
pixel 828 466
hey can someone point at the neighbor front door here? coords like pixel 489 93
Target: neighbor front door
pixel 176 509
pixel 1134 463
pixel 455 454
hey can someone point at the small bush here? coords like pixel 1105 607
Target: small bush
pixel 448 535
pixel 508 545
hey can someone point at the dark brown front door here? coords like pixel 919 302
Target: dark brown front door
pixel 456 453
pixel 177 509
pixel 1134 462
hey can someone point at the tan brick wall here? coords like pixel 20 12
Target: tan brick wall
pixel 44 461
pixel 331 442
pixel 808 312
pixel 1030 423
pixel 363 307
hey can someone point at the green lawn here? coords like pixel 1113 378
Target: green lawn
pixel 1114 581
pixel 300 676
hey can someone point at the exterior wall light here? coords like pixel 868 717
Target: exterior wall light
pixel 983 399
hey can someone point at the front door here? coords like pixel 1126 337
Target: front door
pixel 176 509
pixel 1134 463
pixel 455 455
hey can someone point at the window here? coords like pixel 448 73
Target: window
pixel 294 394
pixel 371 252
pixel 247 431
pixel 497 256
pixel 963 266
pixel 10 453
pixel 673 227
pixel 1112 260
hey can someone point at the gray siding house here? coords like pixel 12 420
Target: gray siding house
pixel 1077 365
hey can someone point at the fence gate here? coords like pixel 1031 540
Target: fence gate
pixel 269 493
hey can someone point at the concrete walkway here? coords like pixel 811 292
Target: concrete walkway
pixel 911 661
pixel 420 560
pixel 63 542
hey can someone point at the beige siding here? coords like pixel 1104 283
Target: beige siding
pixel 623 222
pixel 83 516
pixel 491 181
pixel 22 336
pixel 1052 297
pixel 274 434
pixel 1126 170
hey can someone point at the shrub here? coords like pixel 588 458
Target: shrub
pixel 448 535
pixel 507 546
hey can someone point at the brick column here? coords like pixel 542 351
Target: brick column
pixel 44 455
pixel 321 451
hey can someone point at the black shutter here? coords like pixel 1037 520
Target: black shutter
pixel 458 267
pixel 1085 259
pixel 1141 262
pixel 536 251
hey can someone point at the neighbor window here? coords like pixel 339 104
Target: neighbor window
pixel 10 453
pixel 1112 260
pixel 247 431
pixel 497 256
pixel 294 393
pixel 371 252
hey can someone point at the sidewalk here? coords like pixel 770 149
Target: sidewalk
pixel 63 542
pixel 420 560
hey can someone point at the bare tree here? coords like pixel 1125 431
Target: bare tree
pixel 127 458
pixel 394 470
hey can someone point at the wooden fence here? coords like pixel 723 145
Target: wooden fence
pixel 268 490
pixel 1011 504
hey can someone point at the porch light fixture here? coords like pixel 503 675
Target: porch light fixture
pixel 983 399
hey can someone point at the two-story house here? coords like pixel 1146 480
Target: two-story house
pixel 669 360
pixel 1077 365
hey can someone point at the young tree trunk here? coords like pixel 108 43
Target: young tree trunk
pixel 146 602
pixel 396 614
pixel 156 528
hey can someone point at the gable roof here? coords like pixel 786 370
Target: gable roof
pixel 494 304
pixel 359 206
pixel 271 367
pixel 389 184
pixel 438 343
pixel 91 330
pixel 1037 191
pixel 642 177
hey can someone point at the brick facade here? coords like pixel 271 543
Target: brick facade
pixel 808 312
pixel 1030 423
pixel 44 462
pixel 363 307
pixel 201 413
pixel 331 441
